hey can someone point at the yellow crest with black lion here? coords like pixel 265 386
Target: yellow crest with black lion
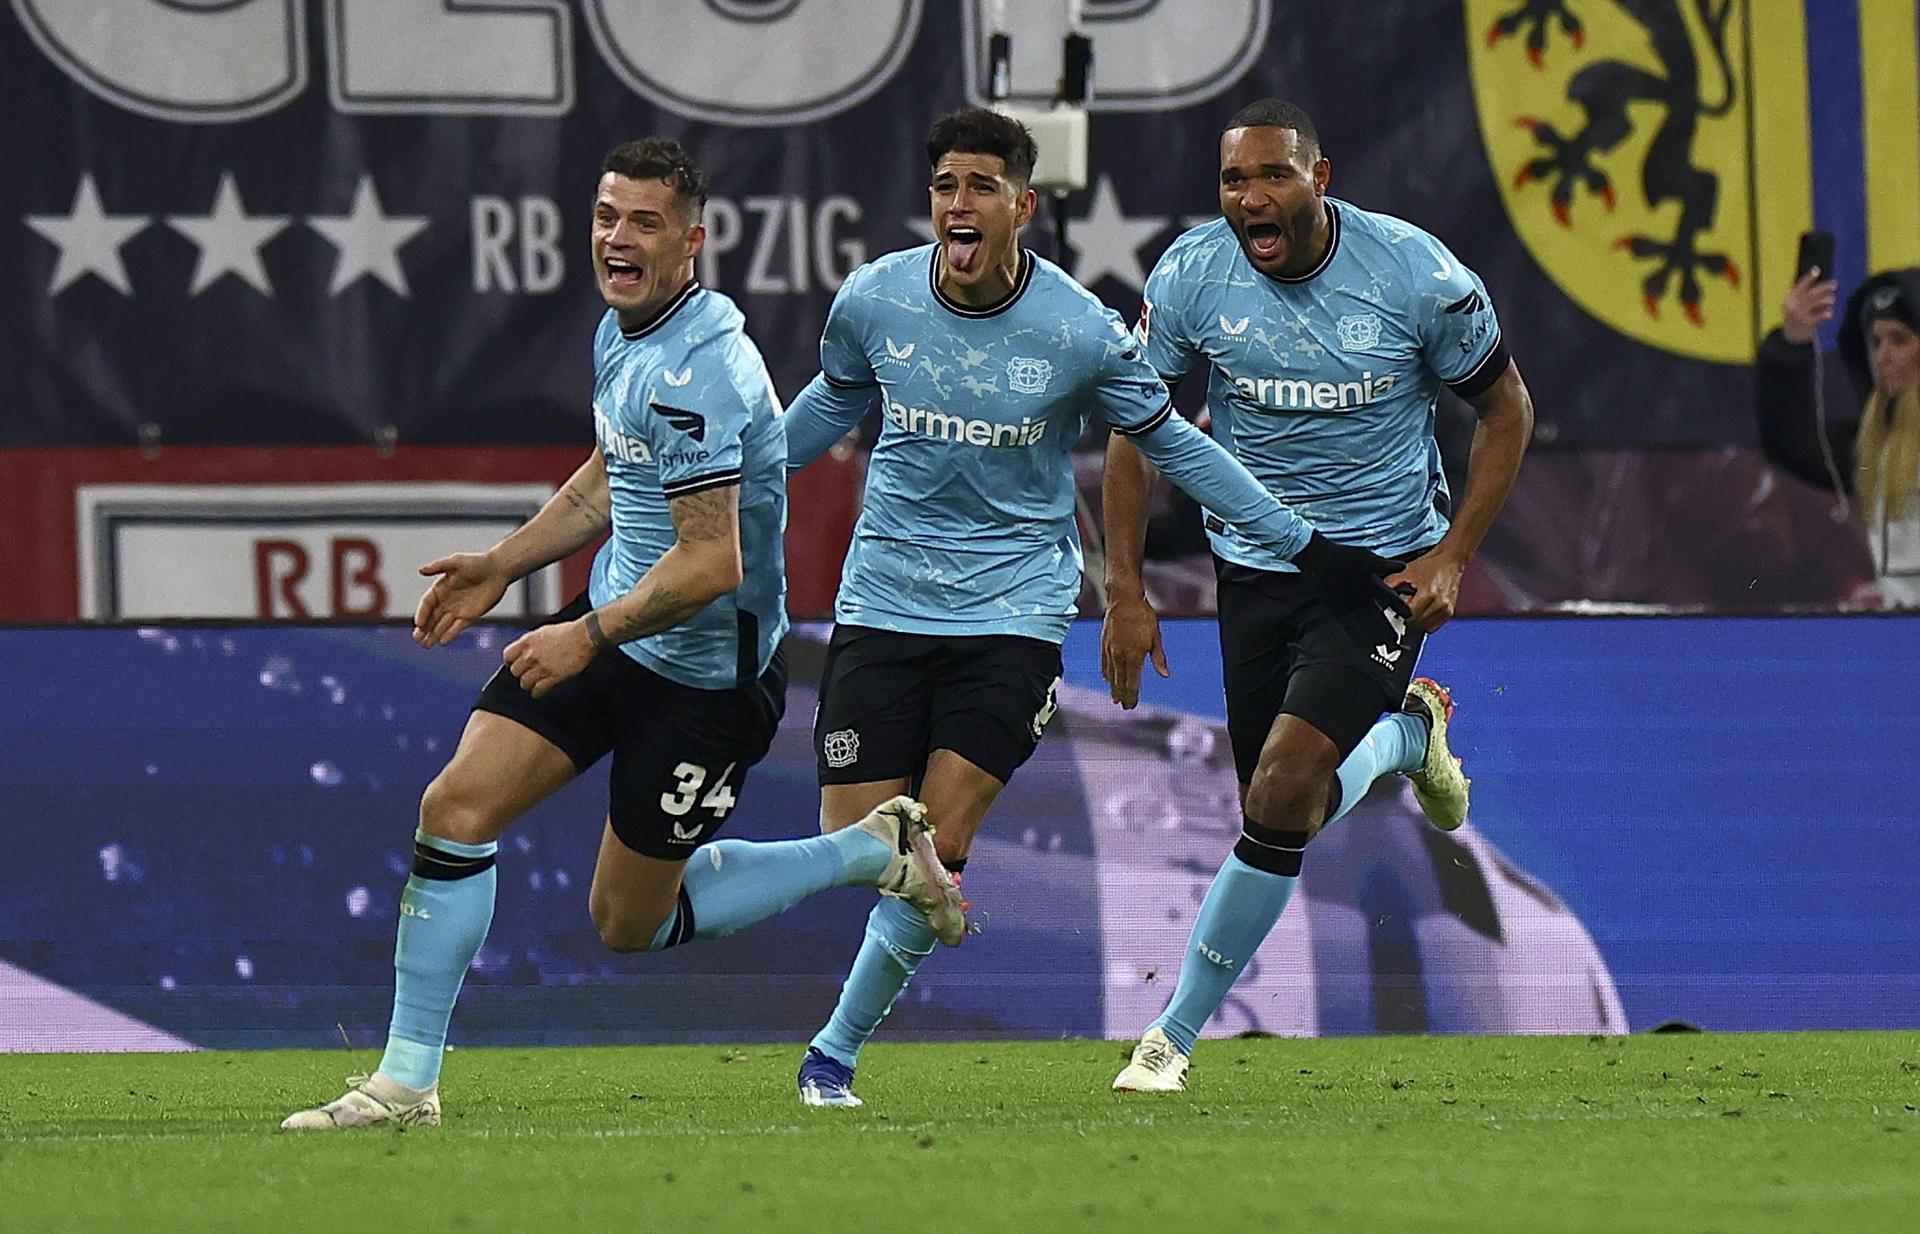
pixel 1621 132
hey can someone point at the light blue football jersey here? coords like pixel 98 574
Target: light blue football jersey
pixel 968 523
pixel 1324 385
pixel 683 405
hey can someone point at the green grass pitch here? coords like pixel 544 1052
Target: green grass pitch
pixel 1740 1134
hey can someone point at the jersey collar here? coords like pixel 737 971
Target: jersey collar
pixel 659 319
pixel 1333 246
pixel 1020 283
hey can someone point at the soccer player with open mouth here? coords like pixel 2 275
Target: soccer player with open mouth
pixel 1327 332
pixel 670 661
pixel 965 568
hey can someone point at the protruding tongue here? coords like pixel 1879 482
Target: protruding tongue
pixel 961 252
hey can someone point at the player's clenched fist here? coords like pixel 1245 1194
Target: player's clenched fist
pixel 465 588
pixel 1435 580
pixel 541 659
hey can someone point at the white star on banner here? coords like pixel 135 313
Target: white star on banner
pixel 89 240
pixel 229 238
pixel 369 240
pixel 1106 243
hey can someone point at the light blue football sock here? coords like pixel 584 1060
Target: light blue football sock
pixel 1239 912
pixel 731 884
pixel 1395 743
pixel 444 915
pixel 898 938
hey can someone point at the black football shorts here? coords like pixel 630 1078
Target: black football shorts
pixel 1287 647
pixel 888 700
pixel 680 754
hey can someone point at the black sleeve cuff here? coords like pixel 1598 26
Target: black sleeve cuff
pixel 1149 424
pixel 837 384
pixel 1485 373
pixel 700 484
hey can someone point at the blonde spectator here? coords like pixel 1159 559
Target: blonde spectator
pixel 1861 437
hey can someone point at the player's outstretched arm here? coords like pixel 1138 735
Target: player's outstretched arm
pixel 841 392
pixel 702 565
pixel 1131 629
pixel 1218 481
pixel 1499 443
pixel 822 414
pixel 466 586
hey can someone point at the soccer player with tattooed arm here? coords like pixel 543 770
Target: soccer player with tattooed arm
pixel 670 661
pixel 1326 332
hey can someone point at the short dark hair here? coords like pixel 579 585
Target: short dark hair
pixel 661 158
pixel 976 130
pixel 1277 114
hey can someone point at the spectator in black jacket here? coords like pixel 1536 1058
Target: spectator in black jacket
pixel 1862 436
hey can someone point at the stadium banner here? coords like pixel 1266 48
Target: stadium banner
pixel 295 551
pixel 315 532
pixel 340 221
pixel 208 828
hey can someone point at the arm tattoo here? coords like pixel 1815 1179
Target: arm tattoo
pixel 697 518
pixel 711 515
pixel 665 608
pixel 595 513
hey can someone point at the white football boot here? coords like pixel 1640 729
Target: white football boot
pixel 372 1101
pixel 915 873
pixel 1158 1066
pixel 1438 784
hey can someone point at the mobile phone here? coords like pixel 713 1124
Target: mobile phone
pixel 1816 250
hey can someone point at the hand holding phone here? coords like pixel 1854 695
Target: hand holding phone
pixel 1816 254
pixel 1809 303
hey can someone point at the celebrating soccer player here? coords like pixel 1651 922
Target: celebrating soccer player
pixel 965 567
pixel 671 660
pixel 1327 331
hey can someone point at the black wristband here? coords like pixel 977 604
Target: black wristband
pixel 595 634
